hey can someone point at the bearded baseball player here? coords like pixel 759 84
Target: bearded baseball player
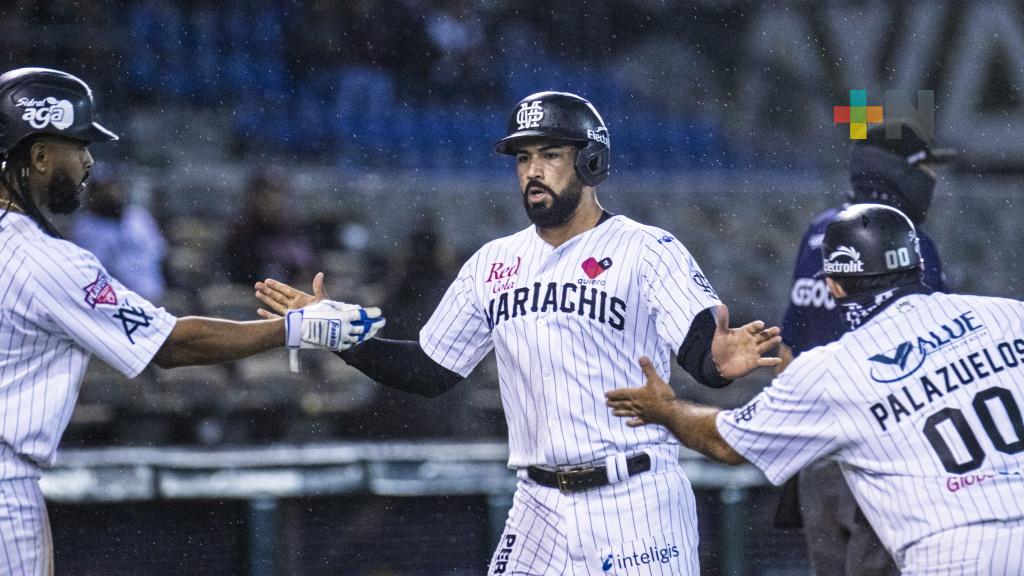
pixel 919 402
pixel 568 304
pixel 58 305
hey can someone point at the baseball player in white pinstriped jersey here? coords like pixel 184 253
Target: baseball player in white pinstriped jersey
pixel 921 404
pixel 568 305
pixel 58 306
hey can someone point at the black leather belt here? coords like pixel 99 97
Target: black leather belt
pixel 584 477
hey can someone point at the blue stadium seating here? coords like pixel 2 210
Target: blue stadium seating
pixel 232 55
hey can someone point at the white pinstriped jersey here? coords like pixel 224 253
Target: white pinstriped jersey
pixel 568 324
pixel 57 307
pixel 922 407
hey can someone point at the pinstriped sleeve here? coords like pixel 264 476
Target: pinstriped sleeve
pixel 675 288
pixel 457 336
pixel 788 425
pixel 76 297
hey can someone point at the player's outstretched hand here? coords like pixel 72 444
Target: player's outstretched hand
pixel 652 404
pixel 739 351
pixel 281 297
pixel 332 325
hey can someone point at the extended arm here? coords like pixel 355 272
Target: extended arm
pixel 402 365
pixel 398 364
pixel 656 403
pixel 200 340
pixel 714 354
pixel 694 426
pixel 695 354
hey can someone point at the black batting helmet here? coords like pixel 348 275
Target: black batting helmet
pixel 868 240
pixel 562 117
pixel 44 101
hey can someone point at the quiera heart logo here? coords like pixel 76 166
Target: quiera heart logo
pixel 594 267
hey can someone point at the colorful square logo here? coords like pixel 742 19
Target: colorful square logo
pixel 858 114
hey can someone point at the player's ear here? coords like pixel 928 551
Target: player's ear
pixel 41 154
pixel 835 288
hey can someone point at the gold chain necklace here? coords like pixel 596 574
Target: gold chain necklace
pixel 6 204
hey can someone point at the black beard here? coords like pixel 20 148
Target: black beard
pixel 63 194
pixel 563 205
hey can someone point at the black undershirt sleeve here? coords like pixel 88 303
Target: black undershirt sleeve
pixel 695 353
pixel 402 365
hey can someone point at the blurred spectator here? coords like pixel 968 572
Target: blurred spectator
pixel 318 40
pixel 266 241
pixel 125 237
pixel 423 272
pixel 388 35
pixel 456 30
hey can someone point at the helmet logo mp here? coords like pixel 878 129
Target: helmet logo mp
pixel 530 115
pixel 854 264
pixel 47 112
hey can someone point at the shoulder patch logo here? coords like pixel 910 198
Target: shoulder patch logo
pixel 132 318
pixel 746 413
pixel 100 291
pixel 704 284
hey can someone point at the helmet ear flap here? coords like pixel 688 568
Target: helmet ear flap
pixel 592 163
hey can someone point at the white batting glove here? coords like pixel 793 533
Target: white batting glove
pixel 331 325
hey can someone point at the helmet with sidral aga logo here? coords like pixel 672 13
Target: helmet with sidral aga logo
pixel 869 240
pixel 565 117
pixel 44 101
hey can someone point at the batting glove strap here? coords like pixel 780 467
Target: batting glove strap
pixel 293 329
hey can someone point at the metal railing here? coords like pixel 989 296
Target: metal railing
pixel 264 475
